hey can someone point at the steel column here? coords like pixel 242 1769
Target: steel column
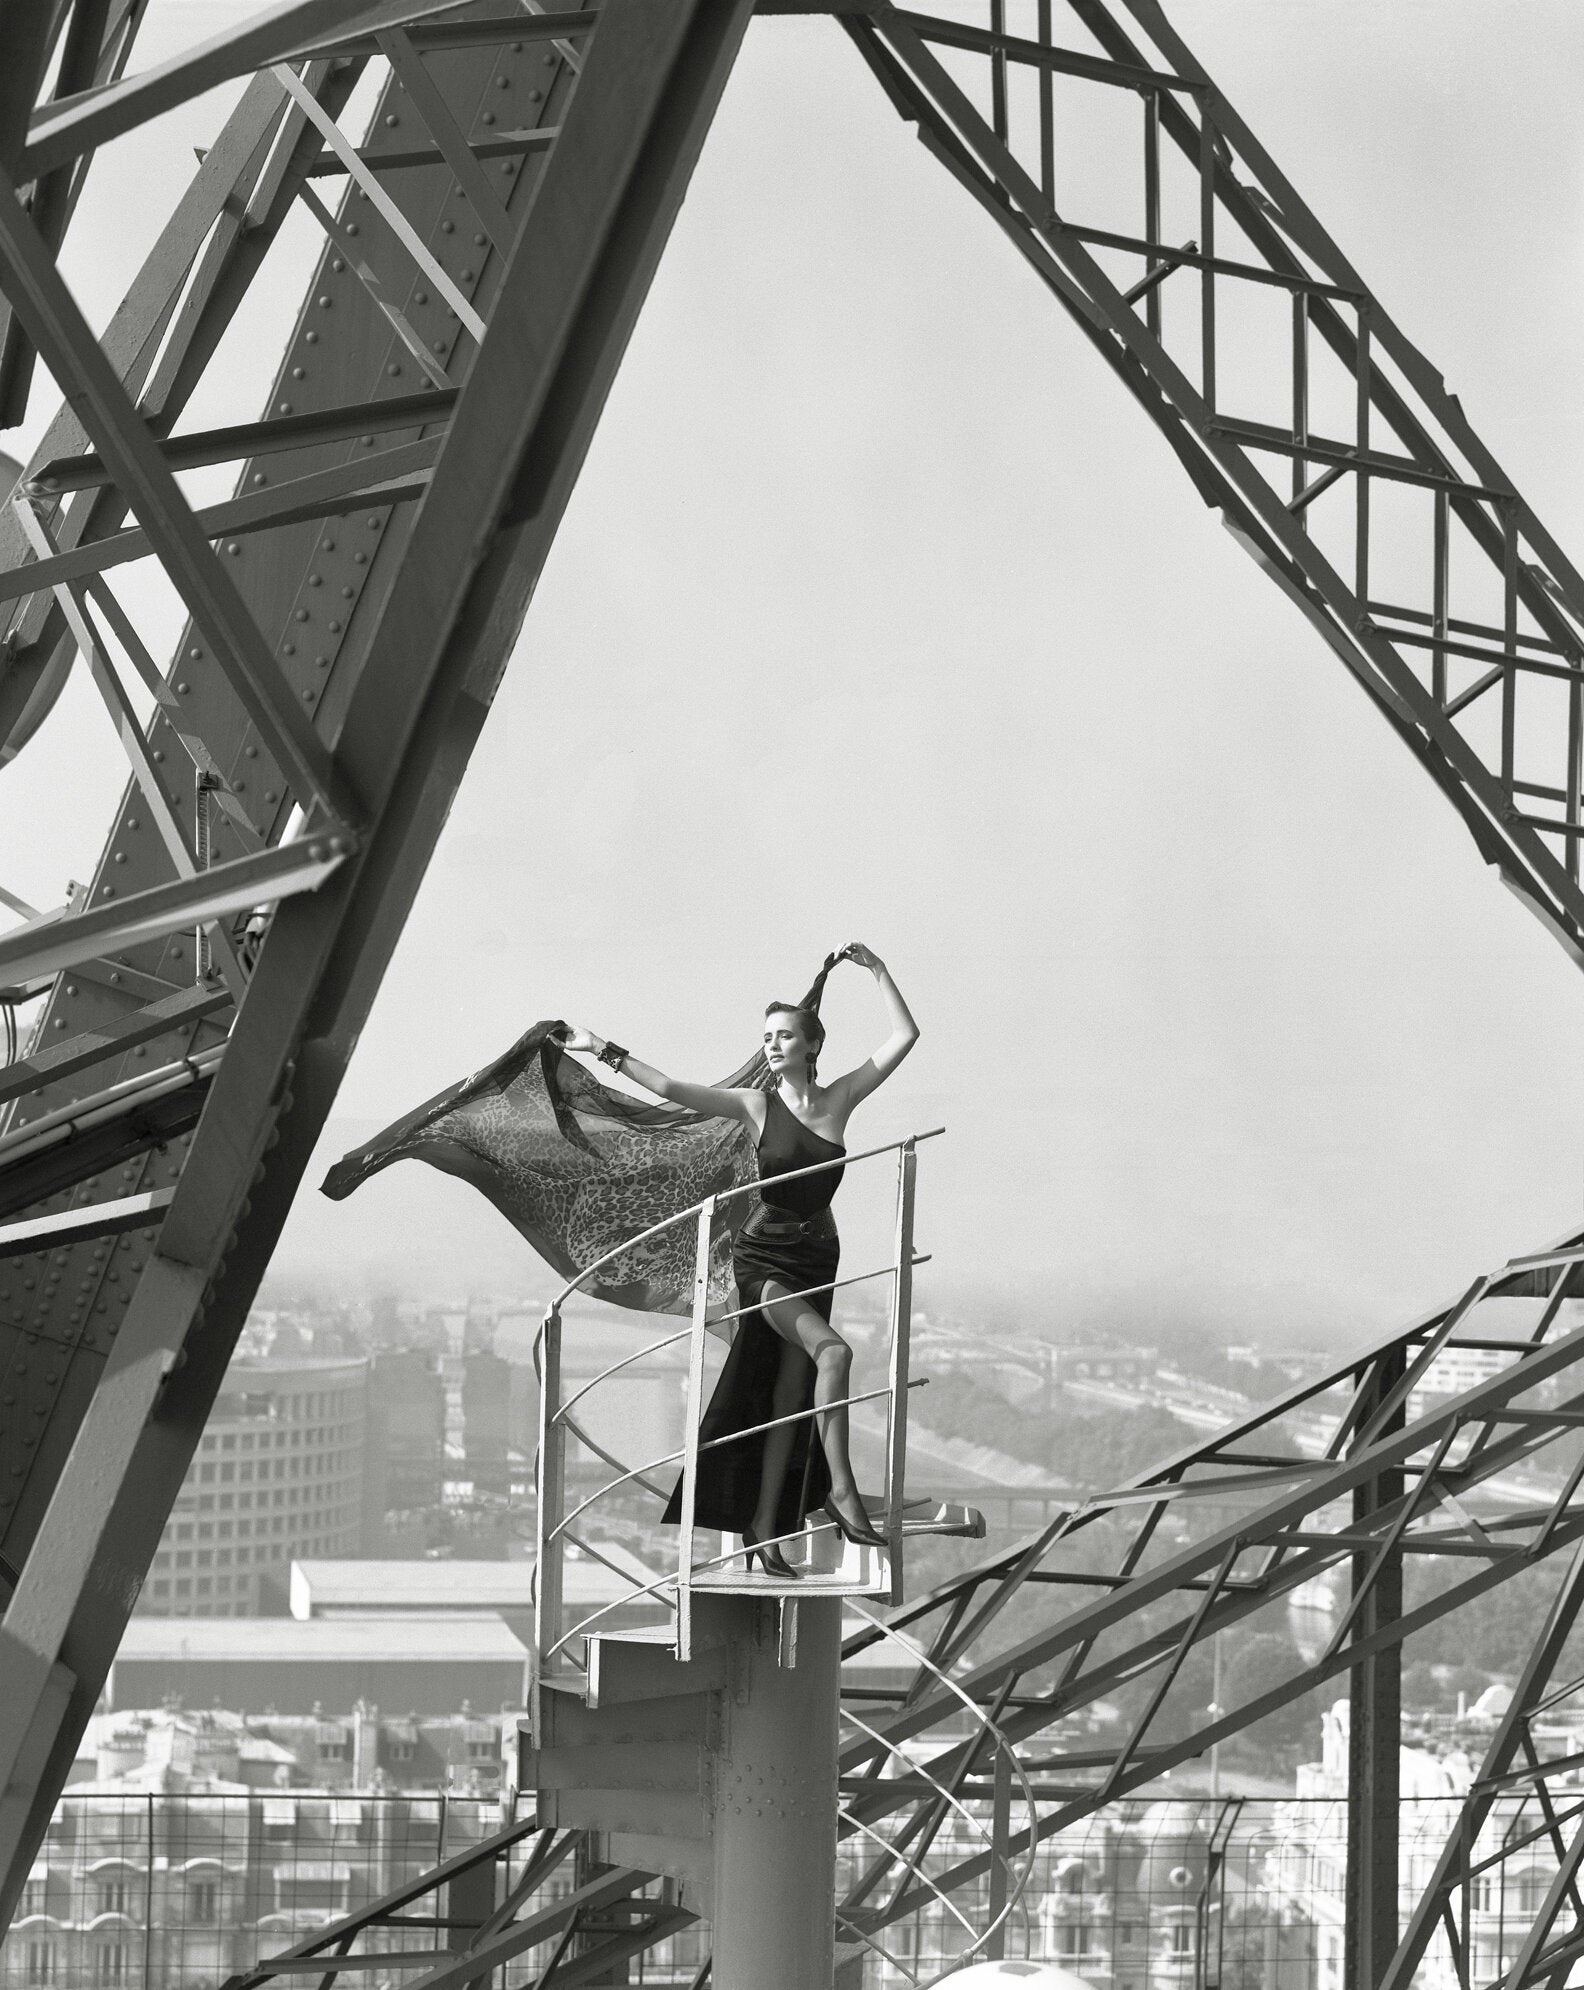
pixel 775 1803
pixel 1375 1717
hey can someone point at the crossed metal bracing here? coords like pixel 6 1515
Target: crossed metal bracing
pixel 496 1905
pixel 491 186
pixel 1356 1476
pixel 1330 445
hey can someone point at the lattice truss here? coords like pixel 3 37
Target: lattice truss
pixel 1350 1480
pixel 1328 442
pixel 493 186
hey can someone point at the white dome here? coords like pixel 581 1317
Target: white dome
pixel 1016 1976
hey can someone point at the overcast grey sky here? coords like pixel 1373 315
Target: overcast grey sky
pixel 881 613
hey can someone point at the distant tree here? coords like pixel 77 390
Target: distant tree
pixel 1257 1665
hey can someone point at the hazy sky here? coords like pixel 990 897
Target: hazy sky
pixel 881 613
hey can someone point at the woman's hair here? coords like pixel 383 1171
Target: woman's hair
pixel 807 1011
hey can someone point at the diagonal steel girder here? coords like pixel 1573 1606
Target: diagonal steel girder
pixel 438 619
pixel 1469 687
pixel 1135 1636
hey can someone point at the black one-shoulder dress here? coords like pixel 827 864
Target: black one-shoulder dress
pixel 790 1238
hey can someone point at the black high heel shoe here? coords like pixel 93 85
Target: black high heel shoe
pixel 774 1562
pixel 860 1532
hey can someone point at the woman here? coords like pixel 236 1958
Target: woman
pixel 762 1486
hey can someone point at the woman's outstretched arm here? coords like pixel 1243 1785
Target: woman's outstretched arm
pixel 714 1101
pixel 875 1070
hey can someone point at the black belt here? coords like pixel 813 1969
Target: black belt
pixel 775 1228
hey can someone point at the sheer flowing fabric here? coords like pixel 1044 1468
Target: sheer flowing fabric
pixel 577 1169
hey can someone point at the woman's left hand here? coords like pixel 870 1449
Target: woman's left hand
pixel 863 956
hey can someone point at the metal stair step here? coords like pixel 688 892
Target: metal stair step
pixel 623 1669
pixel 682 1719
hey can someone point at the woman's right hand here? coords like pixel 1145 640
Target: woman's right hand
pixel 584 1040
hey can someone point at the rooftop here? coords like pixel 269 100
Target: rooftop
pixel 418 1639
pixel 384 1588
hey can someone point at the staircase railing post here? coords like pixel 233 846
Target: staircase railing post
pixel 901 1329
pixel 551 1490
pixel 690 1436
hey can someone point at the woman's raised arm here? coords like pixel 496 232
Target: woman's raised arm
pixel 875 1070
pixel 714 1101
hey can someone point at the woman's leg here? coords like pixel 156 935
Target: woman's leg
pixel 796 1321
pixel 785 1400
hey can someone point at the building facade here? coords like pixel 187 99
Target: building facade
pixel 406 1438
pixel 278 1474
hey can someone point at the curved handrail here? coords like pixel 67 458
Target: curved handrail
pixel 723 1320
pixel 650 1589
pixel 714 1444
pixel 987 1727
pixel 730 1195
pixel 616 1367
pixel 557 1526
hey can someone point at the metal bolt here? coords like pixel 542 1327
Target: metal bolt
pixel 234 547
pixel 182 689
pixel 487 118
pixel 288 649
pixel 314 581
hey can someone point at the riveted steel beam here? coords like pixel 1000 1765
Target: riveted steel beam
pixel 443 614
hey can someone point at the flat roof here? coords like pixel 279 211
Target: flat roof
pixel 418 1585
pixel 415 1639
pixel 453 1585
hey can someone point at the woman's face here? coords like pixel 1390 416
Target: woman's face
pixel 786 1048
